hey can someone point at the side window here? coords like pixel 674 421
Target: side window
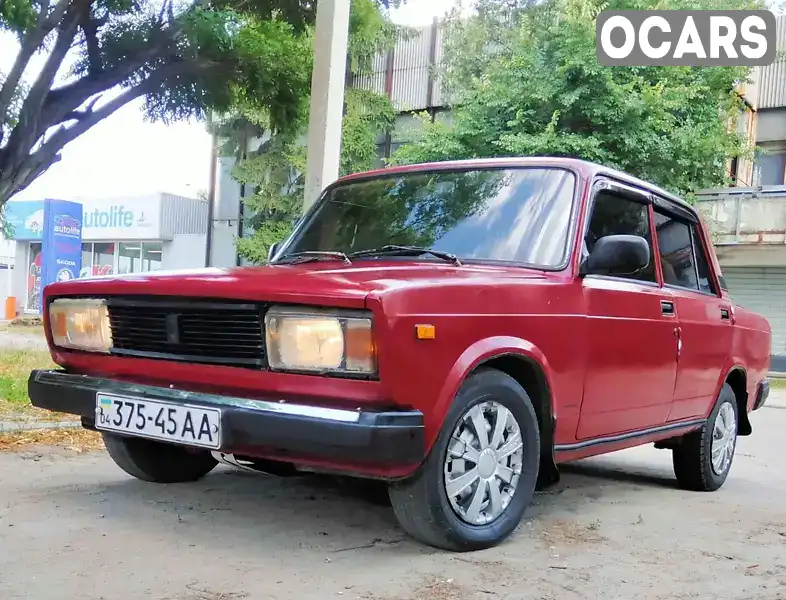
pixel 705 281
pixel 615 214
pixel 682 258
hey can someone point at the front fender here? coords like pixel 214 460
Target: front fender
pixel 474 356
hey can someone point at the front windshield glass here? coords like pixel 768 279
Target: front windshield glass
pixel 520 215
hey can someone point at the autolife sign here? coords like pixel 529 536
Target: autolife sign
pixel 711 38
pixel 61 242
pixel 104 219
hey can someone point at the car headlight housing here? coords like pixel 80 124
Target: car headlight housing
pixel 312 340
pixel 80 324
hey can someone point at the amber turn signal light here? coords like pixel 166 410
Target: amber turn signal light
pixel 425 332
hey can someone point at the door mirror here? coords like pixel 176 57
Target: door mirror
pixel 617 255
pixel 271 252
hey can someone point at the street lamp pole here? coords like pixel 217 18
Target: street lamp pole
pixel 327 97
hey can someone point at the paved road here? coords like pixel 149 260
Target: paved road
pixel 77 527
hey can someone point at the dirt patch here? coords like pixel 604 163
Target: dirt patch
pixel 75 441
pixel 571 533
pixel 432 588
pixel 32 323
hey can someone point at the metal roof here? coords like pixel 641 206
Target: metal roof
pixel 770 81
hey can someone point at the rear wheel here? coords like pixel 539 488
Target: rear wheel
pixel 480 475
pixel 158 462
pixel 703 458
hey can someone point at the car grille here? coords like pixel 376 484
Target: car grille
pixel 202 331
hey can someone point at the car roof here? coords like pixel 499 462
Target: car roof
pixel 585 168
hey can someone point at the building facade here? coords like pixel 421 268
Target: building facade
pixel 748 220
pixel 119 235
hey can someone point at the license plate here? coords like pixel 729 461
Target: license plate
pixel 185 424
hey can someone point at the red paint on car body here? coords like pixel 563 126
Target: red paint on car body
pixel 609 359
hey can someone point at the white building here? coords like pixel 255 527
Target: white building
pixel 119 235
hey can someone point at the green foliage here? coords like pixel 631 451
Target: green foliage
pixel 527 82
pixel 17 15
pixel 275 170
pixel 188 59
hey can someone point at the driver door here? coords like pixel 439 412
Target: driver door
pixel 631 327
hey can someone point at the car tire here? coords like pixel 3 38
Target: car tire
pixel 158 462
pixel 702 460
pixel 422 503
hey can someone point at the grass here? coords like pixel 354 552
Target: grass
pixel 778 382
pixel 15 367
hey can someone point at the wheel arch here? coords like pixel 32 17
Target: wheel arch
pixel 737 378
pixel 525 363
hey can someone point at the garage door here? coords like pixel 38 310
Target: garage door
pixel 763 290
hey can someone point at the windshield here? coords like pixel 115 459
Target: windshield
pixel 520 215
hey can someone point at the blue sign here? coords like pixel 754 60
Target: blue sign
pixel 26 219
pixel 61 242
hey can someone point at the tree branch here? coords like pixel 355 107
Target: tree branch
pixel 27 131
pixel 64 100
pixel 44 24
pixel 35 164
pixel 90 26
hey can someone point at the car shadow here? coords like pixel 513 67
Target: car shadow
pixel 330 515
pixel 609 470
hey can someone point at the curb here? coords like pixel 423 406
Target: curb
pixel 9 427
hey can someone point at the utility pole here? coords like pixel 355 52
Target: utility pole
pixel 327 97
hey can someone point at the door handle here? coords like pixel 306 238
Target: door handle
pixel 667 308
pixel 725 313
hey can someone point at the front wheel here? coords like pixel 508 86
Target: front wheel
pixel 480 475
pixel 703 458
pixel 158 462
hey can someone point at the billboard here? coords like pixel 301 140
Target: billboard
pixel 60 256
pixel 103 219
pixel 26 219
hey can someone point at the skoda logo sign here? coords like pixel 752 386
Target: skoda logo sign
pixel 64 275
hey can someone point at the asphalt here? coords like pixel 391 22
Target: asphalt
pixel 74 526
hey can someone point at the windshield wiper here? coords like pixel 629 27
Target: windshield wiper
pixel 314 255
pixel 408 251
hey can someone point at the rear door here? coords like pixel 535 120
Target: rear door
pixel 704 317
pixel 631 324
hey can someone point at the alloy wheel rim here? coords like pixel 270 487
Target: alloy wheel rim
pixel 724 438
pixel 483 463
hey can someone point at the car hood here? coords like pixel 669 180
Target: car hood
pixel 319 283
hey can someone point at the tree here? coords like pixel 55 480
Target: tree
pixel 185 58
pixel 275 169
pixel 526 81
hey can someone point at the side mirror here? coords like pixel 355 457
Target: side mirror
pixel 271 252
pixel 617 255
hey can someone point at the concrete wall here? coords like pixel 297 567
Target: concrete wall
pixel 20 275
pixel 185 251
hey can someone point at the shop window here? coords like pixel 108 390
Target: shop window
pixel 103 259
pixel 33 277
pixel 87 261
pixel 129 258
pixel 151 256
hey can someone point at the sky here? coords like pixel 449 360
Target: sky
pixel 124 155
